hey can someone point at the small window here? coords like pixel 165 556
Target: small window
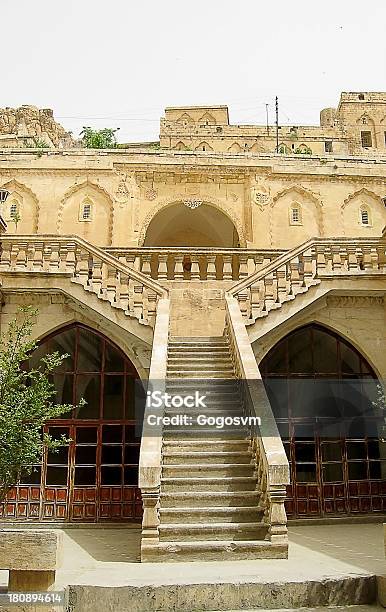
pixel 328 146
pixel 365 217
pixel 13 209
pixel 85 211
pixel 295 215
pixel 366 139
pixel 361 96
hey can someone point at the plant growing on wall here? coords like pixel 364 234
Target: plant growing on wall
pixel 27 401
pixel 99 139
pixel 15 217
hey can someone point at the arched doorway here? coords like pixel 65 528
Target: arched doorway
pixel 321 390
pixel 95 478
pixel 180 226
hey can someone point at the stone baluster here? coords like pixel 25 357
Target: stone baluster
pixel 138 300
pixel 82 267
pixel 146 266
pixel 374 258
pixel 124 291
pixel 258 261
pixel 227 268
pixel 307 267
pixel 277 518
pixel 255 300
pixel 321 263
pixel 269 299
pixel 54 257
pixel 111 284
pixel 150 518
pixel 336 258
pixel 243 266
pixel 178 267
pixel 195 269
pixel 21 257
pixel 162 266
pixel 151 306
pixel 70 257
pixel 96 276
pixel 367 263
pixel 281 279
pixel 211 267
pixel 30 255
pixel 242 297
pixel 352 258
pixel 5 262
pixel 294 272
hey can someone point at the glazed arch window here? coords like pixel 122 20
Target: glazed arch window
pixel 365 217
pixel 295 214
pixel 86 211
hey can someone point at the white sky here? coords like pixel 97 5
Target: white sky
pixel 118 63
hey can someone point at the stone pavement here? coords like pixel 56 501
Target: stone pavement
pixel 109 558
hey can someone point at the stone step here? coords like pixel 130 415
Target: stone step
pixel 203 445
pixel 207 470
pixel 220 499
pixel 192 458
pixel 195 374
pixel 196 351
pixel 199 357
pixel 209 514
pixel 173 532
pixel 203 433
pixel 210 410
pixel 199 363
pixel 220 483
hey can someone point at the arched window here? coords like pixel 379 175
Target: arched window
pixel 283 149
pixel 14 208
pixel 365 218
pixel 95 477
pixel 321 390
pixel 86 210
pixel 204 146
pixel 295 214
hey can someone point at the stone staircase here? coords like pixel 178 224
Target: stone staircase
pixel 209 501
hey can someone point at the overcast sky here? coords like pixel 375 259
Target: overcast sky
pixel 119 63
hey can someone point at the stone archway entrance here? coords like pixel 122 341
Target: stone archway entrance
pixel 95 477
pixel 180 226
pixel 321 391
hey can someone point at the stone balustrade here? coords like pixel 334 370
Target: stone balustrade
pixel 98 272
pixel 150 458
pixel 297 270
pixel 194 263
pixel 271 462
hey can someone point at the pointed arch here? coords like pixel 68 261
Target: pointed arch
pixel 28 206
pixel 297 189
pixel 235 148
pixel 99 230
pixel 362 192
pixel 311 216
pixel 185 118
pixel 203 146
pixel 180 146
pixel 207 119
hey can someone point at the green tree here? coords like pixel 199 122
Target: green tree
pixel 27 401
pixel 99 139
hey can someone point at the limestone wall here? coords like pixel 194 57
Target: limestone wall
pixel 125 190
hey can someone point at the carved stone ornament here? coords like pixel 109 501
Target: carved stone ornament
pixel 192 202
pixel 151 194
pixel 122 193
pixel 260 196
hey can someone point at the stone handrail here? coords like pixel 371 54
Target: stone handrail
pixel 195 263
pixel 270 458
pixel 151 443
pixel 305 266
pixel 87 265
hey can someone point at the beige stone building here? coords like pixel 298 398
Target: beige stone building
pixel 211 261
